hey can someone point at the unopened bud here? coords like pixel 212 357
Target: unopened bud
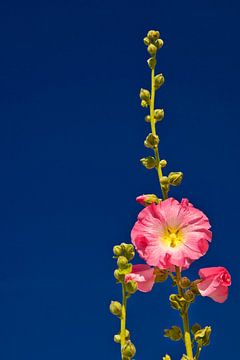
pixel 122 262
pixel 151 141
pixel 163 163
pixel 189 296
pixel 116 308
pixel 148 118
pixel 118 276
pixel 153 35
pixel 144 104
pixel 117 250
pixel 194 287
pixel 184 282
pixel 161 275
pixel 131 286
pixel 117 338
pixel 159 114
pixel 159 43
pixel 152 62
pixel 149 162
pixel 129 252
pixel 167 357
pixel 146 41
pixel 152 49
pixel 129 349
pixel 144 95
pixel 195 328
pixel 175 333
pixel 164 180
pixel 158 81
pixel 175 178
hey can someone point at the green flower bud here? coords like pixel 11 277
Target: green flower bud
pixel 159 43
pixel 116 308
pixel 158 81
pixel 129 252
pixel 126 270
pixel 167 357
pixel 129 349
pixel 148 118
pixel 161 275
pixel 117 250
pixel 118 276
pixel 184 282
pixel 158 114
pixel 122 262
pixel 151 141
pixel 117 338
pixel 189 296
pixel 149 162
pixel 175 333
pixel 146 41
pixel 131 287
pixel 152 49
pixel 163 163
pixel 153 35
pixel 152 62
pixel 144 104
pixel 164 180
pixel 202 336
pixel 175 178
pixel 195 328
pixel 145 95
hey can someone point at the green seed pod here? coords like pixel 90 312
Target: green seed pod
pixel 189 296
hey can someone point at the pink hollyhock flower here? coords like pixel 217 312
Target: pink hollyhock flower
pixel 215 282
pixel 143 275
pixel 171 234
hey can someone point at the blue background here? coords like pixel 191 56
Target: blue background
pixel 71 136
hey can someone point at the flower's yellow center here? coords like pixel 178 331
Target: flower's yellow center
pixel 172 237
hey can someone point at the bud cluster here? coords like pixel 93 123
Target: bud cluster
pixel 153 43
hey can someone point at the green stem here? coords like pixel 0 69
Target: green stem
pixel 153 129
pixel 123 317
pixel 184 315
pixel 199 348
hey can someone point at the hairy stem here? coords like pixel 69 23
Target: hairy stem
pixel 184 315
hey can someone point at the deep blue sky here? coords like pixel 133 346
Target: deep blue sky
pixel 71 135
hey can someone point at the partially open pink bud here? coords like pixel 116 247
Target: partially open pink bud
pixel 143 275
pixel 148 199
pixel 215 282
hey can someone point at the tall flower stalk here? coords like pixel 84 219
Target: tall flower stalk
pixel 169 235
